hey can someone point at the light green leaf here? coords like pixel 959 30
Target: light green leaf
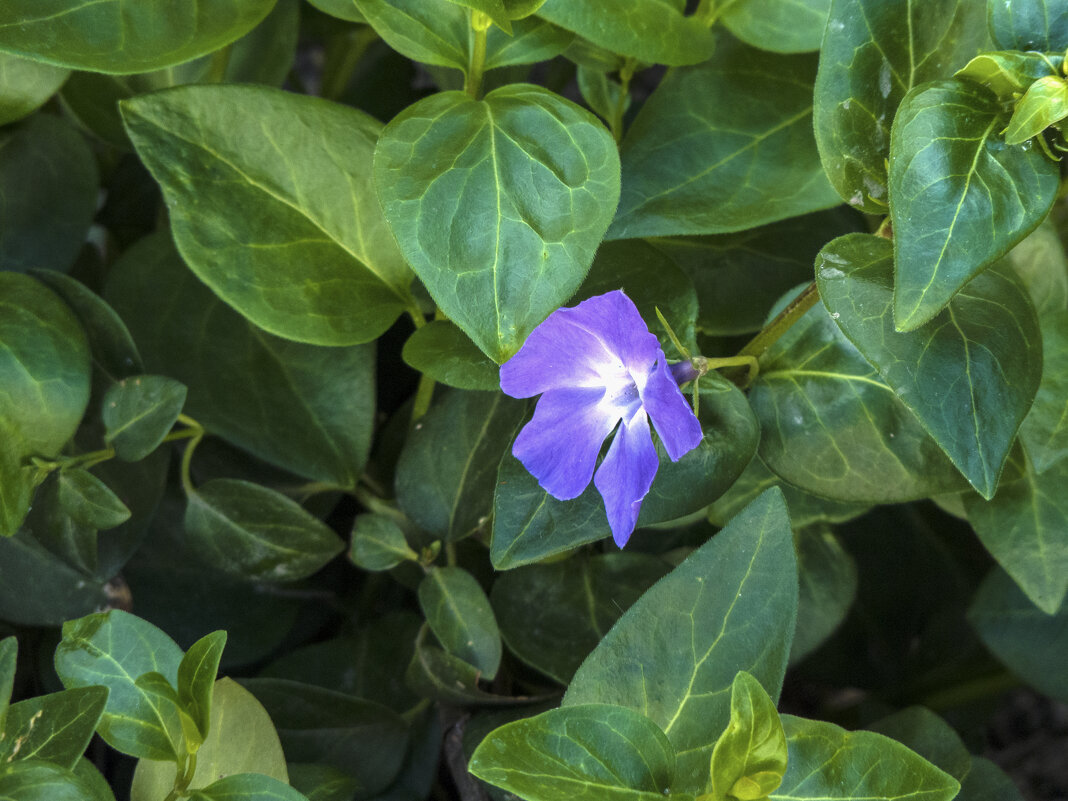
pixel 314 262
pixel 378 543
pixel 873 53
pixel 828 586
pixel 106 36
pixel 749 759
pixel 25 85
pixel 604 95
pixel 1028 24
pixel 17 482
pixel 529 181
pixel 950 175
pixel 1031 643
pixel 827 762
pixel 782 26
pixel 730 606
pixel 448 468
pixel 305 408
pixel 533 39
pixel 56 727
pixel 723 146
pixel 459 614
pixel 1045 429
pixel 431 31
pixel 494 9
pixel 38 780
pixel 447 354
pixel 966 374
pixel 1008 74
pixel 553 615
pixel 588 751
pixel 90 501
pixel 196 678
pixel 248 787
pixel 1045 103
pixel 242 739
pixel 44 366
pixel 255 533
pixel 113 649
pixel 138 413
pixel 651 31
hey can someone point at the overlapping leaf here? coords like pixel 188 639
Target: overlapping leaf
pixel 1045 429
pixel 782 26
pixel 459 614
pixel 1028 24
pixel 25 85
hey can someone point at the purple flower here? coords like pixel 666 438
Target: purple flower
pixel 597 366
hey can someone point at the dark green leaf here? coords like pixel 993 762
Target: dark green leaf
pixel 314 262
pixel 343 9
pixel 588 751
pixel 196 678
pixel 730 606
pixel 242 739
pixel 782 26
pixel 749 759
pixel 96 785
pixel 139 412
pixel 1044 104
pixel 987 782
pixel 439 676
pixel 552 615
pixel 112 649
pixel 89 501
pixel 827 762
pixel 966 374
pixel 248 787
pixel 378 543
pixel 38 780
pixel 828 585
pixel 929 736
pixel 1028 24
pixel 54 527
pixel 322 782
pixel 1045 429
pixel 9 648
pixel 364 739
pixel 305 408
pixel 873 53
pixel 1008 74
pixel 530 181
pixel 25 85
pixel 50 193
pixel 950 174
pixel 530 525
pixel 266 53
pixel 430 31
pixel 1041 263
pixel 105 37
pixel 459 614
pixel 17 483
pixel 54 727
pixel 448 468
pixel 723 146
pixel 446 354
pixel 38 588
pixel 255 533
pixel 651 31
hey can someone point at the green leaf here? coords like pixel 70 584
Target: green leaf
pixel 831 426
pixel 17 482
pixel 651 31
pixel 533 39
pixel 966 374
pixel 105 37
pixel 1041 263
pixel 1009 74
pixel 56 727
pixel 730 606
pixel 25 85
pixel 90 501
pixel 553 615
pixel 51 185
pixel 322 782
pixel 308 409
pixel 459 614
pixel 255 533
pixel 1033 644
pixel 378 543
pixel 430 31
pixel 873 53
pixel 361 738
pixel 593 750
pixel 315 262
pixel 827 762
pixel 96 785
pixel 494 9
pixel 929 736
pixel 1045 429
pixel 54 527
pixel 1044 104
pixel 139 412
pixel 439 676
pixel 442 351
pixel 38 780
pixel 44 366
pixel 828 586
pixel 950 174
pixel 342 9
pixel 535 175
pixel 1025 527
pixel 267 52
pixel 113 649
pixel 530 525
pixel 9 648
pixel 602 93
pixel 723 146
pixel 1028 24
pixel 749 759
pixel 248 787
pixel 448 468
pixel 38 588
pixel 196 678
pixel 242 739
pixel 782 26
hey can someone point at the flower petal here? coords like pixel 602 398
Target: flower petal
pixel 674 420
pixel 626 474
pixel 578 347
pixel 560 444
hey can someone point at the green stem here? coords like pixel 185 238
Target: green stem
pixel 770 333
pixel 356 44
pixel 476 61
pixel 187 459
pixel 418 320
pixel 736 361
pixel 424 393
pixel 625 74
pixel 378 505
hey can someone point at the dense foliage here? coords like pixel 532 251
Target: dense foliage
pixel 261 262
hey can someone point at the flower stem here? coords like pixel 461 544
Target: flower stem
pixel 187 457
pixel 476 61
pixel 424 393
pixel 770 333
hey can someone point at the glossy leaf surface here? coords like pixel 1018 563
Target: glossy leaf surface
pixel 459 614
pixel 1008 74
pixel 1028 24
pixel 707 613
pixel 529 181
pixel 1044 104
pixel 55 727
pixel 781 26
pixel 139 412
pixel 966 360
